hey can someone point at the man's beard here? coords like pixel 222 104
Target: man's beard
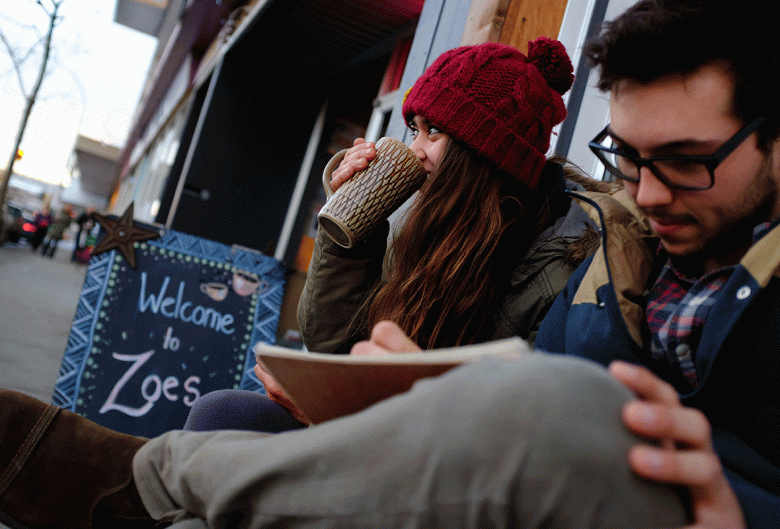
pixel 735 231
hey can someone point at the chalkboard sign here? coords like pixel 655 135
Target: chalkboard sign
pixel 146 343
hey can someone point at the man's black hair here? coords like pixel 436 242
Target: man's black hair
pixel 656 38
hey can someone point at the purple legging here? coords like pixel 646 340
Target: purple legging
pixel 238 409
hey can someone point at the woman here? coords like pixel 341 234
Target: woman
pixel 487 245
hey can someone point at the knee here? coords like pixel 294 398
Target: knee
pixel 563 409
pixel 504 393
pixel 550 430
pixel 214 401
pixel 494 404
pixel 212 410
pixel 233 409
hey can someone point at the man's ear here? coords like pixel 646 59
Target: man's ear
pixel 775 159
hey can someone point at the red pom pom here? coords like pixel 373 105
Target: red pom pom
pixel 550 58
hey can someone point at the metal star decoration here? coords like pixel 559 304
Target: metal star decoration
pixel 121 234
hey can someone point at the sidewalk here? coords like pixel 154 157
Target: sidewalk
pixel 38 299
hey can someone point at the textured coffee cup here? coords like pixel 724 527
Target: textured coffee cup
pixel 370 195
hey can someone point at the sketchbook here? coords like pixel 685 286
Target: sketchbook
pixel 326 386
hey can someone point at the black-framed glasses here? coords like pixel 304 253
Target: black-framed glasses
pixel 684 172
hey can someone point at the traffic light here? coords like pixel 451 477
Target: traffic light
pixel 19 154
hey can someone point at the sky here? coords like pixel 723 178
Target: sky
pixel 95 77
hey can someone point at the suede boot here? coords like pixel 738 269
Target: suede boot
pixel 58 469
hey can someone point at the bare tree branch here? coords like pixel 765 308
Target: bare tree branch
pixel 31 97
pixel 15 61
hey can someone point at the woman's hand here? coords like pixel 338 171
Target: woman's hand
pixel 275 392
pixel 386 338
pixel 686 456
pixel 356 159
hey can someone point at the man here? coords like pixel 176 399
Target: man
pixel 540 441
pixel 694 137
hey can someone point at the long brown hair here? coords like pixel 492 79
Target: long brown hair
pixel 449 263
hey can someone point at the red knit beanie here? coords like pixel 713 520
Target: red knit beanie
pixel 497 101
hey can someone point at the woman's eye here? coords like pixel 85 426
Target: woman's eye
pixel 433 130
pixel 414 131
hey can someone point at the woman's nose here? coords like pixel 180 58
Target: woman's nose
pixel 417 147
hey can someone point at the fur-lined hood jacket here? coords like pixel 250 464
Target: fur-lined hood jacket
pixel 600 315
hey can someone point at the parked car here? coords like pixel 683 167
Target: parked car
pixel 17 224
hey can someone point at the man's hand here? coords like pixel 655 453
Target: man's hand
pixel 686 456
pixel 275 392
pixel 386 338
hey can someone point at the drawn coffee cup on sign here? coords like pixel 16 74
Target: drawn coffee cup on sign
pixel 216 291
pixel 372 194
pixel 245 283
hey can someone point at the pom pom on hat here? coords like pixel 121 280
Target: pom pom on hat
pixel 497 101
pixel 550 58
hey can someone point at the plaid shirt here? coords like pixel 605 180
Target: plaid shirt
pixel 677 308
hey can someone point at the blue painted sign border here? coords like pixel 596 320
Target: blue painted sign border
pixel 98 292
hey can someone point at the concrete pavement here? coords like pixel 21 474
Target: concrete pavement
pixel 38 299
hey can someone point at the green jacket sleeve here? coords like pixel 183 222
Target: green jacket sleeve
pixel 339 283
pixel 534 286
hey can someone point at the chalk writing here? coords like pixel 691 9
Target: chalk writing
pixel 178 308
pixel 152 387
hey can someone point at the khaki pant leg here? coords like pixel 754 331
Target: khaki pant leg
pixel 536 442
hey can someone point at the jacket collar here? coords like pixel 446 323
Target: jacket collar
pixel 631 252
pixel 624 260
pixel 762 261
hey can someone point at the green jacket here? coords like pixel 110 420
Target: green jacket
pixel 57 228
pixel 340 282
